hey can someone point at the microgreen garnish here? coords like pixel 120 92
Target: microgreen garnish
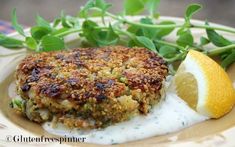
pixel 10 42
pixel 15 23
pixel 148 32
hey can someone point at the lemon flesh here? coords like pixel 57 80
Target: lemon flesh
pixel 186 82
pixel 204 85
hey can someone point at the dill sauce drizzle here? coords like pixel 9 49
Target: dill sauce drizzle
pixel 170 115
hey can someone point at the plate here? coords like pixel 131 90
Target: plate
pixel 214 132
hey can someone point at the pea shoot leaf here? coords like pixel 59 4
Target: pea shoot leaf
pixel 133 7
pixel 185 39
pixel 98 36
pixel 191 10
pixel 15 23
pixel 228 60
pixel 64 22
pixel 37 32
pixel 135 30
pixel 216 39
pixel 101 4
pixel 52 43
pixel 88 28
pixel 146 42
pixel 164 31
pixel 131 43
pixel 31 43
pixel 181 31
pixel 9 42
pixel 84 10
pixel 42 22
pixel 56 22
pixel 69 21
pixel 152 6
pixel 167 51
pixel 204 41
pixel 107 37
pixel 147 32
pixel 151 33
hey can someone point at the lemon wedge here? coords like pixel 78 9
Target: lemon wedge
pixel 204 85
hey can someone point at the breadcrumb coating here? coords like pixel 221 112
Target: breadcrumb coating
pixel 90 87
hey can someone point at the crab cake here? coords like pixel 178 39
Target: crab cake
pixel 89 87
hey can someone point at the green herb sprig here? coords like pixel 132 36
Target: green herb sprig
pixel 144 33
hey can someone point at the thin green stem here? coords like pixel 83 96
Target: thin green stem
pixel 224 29
pixel 130 35
pixel 176 58
pixel 220 50
pixel 197 47
pixel 124 20
pixel 68 32
pixel 170 44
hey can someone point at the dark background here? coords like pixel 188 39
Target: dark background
pixel 218 11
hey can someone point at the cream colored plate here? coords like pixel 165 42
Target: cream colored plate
pixel 219 132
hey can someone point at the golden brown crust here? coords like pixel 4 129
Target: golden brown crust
pixel 94 76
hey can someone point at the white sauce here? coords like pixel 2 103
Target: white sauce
pixel 171 115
